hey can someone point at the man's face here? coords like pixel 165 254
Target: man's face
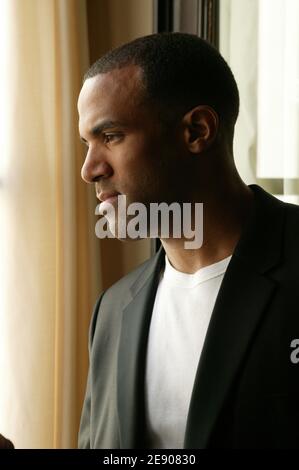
pixel 128 151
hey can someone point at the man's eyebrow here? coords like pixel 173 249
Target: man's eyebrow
pixel 99 128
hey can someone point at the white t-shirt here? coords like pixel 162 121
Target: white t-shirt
pixel 180 319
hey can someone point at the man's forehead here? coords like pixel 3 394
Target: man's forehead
pixel 118 84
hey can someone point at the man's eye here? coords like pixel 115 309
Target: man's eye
pixel 108 138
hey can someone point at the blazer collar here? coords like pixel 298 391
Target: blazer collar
pixel 260 244
pixel 243 295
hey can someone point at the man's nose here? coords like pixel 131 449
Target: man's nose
pixel 95 167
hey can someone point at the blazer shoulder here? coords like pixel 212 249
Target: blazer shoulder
pixel 292 210
pixel 292 231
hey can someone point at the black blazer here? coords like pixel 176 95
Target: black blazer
pixel 246 388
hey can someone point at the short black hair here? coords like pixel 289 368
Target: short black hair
pixel 180 71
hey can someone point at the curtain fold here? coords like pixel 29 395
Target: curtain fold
pixel 50 261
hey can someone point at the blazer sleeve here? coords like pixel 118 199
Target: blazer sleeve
pixel 5 443
pixel 84 430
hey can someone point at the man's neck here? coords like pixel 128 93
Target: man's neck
pixel 224 218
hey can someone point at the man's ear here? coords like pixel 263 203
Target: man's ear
pixel 200 128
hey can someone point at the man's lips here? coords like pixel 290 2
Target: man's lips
pixel 107 196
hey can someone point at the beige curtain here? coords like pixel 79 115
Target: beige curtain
pixel 50 265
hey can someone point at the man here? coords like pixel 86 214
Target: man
pixel 193 349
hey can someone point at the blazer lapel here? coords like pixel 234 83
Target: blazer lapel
pixel 132 353
pixel 245 291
